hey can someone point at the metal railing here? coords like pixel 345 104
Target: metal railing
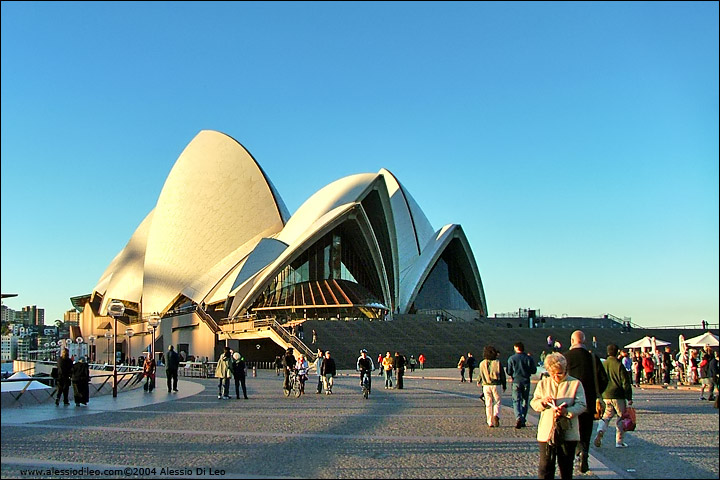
pixel 209 320
pixel 237 319
pixel 690 326
pixel 248 324
pixel 127 379
pixel 197 369
pixel 291 339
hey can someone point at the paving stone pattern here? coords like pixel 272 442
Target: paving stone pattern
pixel 434 428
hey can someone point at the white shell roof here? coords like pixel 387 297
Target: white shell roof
pixel 417 273
pixel 214 199
pixel 412 227
pixel 340 192
pixel 126 280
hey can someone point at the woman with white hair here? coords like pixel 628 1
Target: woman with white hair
pixel 238 371
pixel 559 398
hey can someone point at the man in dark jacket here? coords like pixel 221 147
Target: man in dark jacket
pixel 172 362
pixel 470 363
pixel 80 380
pixel 288 362
pixel 666 365
pixel 586 367
pixel 64 371
pixel 328 372
pixel 520 367
pixel 400 368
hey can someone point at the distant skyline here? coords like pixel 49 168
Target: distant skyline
pixel 576 143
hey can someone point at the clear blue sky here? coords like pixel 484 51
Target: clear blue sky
pixel 576 143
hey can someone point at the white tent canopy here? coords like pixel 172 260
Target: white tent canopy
pixel 19 386
pixel 706 338
pixel 647 342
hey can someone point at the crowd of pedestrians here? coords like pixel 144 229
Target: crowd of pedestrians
pixel 689 367
pixel 577 388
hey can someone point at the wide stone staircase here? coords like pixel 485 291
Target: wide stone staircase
pixel 444 342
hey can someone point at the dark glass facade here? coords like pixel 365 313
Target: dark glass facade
pixel 334 276
pixel 448 284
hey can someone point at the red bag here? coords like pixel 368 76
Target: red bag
pixel 628 420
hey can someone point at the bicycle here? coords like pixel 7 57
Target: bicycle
pixel 293 386
pixel 366 385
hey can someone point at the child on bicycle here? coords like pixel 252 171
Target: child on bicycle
pixel 301 367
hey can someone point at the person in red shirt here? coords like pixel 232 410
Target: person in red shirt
pixel 649 367
pixel 421 359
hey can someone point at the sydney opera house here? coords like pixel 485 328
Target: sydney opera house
pixel 220 249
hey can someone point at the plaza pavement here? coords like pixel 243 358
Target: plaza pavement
pixel 434 428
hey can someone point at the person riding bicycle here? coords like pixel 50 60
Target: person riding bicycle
pixel 288 361
pixel 365 366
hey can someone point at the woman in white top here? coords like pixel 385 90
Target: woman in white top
pixel 559 398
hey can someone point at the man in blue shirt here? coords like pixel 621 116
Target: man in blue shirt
pixel 520 367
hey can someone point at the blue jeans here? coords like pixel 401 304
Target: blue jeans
pixel 388 378
pixel 520 396
pixel 224 387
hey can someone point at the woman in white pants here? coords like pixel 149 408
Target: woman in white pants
pixel 492 377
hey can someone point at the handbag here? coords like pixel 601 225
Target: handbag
pixel 599 403
pixel 557 432
pixel 628 419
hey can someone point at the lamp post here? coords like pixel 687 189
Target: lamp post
pixel 153 323
pixel 91 339
pixel 79 341
pixel 108 335
pixel 129 333
pixel 115 309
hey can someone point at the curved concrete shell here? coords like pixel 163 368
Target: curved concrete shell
pixel 215 199
pixel 123 279
pixel 412 226
pixel 340 192
pixel 417 274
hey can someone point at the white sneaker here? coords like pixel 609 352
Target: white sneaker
pixel 220 397
pixel 621 445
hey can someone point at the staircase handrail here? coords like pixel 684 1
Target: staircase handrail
pixel 208 319
pixel 237 319
pixel 256 324
pixel 291 339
